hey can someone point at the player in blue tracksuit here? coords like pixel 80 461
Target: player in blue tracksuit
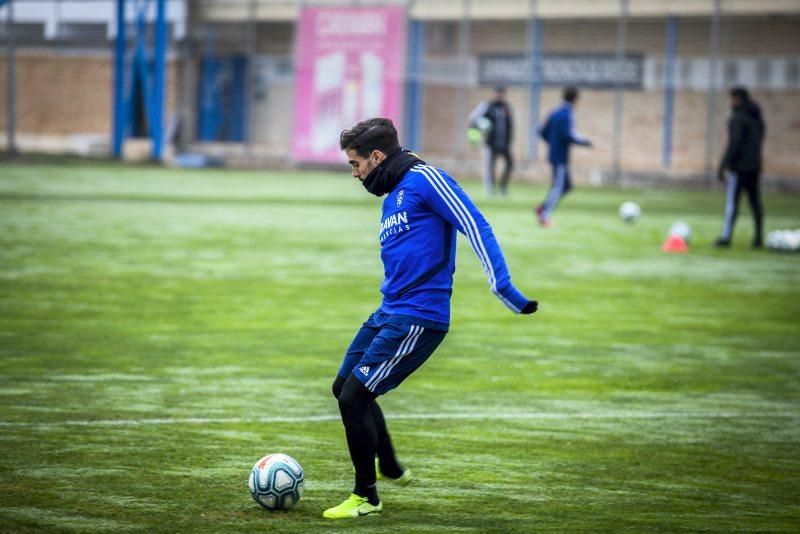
pixel 422 211
pixel 559 133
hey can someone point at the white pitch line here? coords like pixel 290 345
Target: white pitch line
pixel 470 416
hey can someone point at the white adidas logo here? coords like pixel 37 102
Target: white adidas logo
pixel 364 369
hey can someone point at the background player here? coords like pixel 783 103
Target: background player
pixel 741 164
pixel 498 137
pixel 559 133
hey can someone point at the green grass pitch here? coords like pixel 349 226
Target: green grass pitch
pixel 161 330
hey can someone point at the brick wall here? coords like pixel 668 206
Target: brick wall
pixel 641 146
pixel 59 95
pixel 67 94
pixel 643 116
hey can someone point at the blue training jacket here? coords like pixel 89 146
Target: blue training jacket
pixel 559 132
pixel 418 247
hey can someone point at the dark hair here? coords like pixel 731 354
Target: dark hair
pixel 741 93
pixel 570 94
pixel 372 134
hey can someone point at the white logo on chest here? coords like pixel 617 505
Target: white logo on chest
pixel 394 224
pixel 400 197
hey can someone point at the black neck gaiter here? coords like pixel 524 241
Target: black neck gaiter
pixel 385 176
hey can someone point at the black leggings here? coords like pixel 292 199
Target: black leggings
pixel 507 169
pixel 367 436
pixel 749 182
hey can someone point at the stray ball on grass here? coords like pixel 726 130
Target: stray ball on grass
pixel 784 240
pixel 630 211
pixel 682 230
pixel 276 482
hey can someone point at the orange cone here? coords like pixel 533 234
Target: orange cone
pixel 675 243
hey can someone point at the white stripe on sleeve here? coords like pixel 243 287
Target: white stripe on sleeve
pixel 463 215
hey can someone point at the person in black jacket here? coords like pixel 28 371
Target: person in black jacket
pixel 497 136
pixel 740 167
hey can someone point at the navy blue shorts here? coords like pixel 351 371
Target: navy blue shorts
pixel 387 349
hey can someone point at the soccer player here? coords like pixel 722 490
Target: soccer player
pixel 423 209
pixel 497 136
pixel 741 164
pixel 559 133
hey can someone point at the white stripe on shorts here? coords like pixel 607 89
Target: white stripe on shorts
pixel 405 348
pixel 730 205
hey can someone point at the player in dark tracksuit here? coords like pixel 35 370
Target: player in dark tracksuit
pixel 498 139
pixel 559 133
pixel 422 211
pixel 740 167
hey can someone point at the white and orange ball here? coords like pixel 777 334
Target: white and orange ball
pixel 276 482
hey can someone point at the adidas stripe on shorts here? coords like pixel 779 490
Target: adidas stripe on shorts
pixel 387 349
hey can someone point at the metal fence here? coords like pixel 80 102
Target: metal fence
pixel 653 86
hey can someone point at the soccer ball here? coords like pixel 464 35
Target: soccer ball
pixel 630 211
pixel 474 136
pixel 483 125
pixel 682 230
pixel 793 241
pixel 276 482
pixel 784 240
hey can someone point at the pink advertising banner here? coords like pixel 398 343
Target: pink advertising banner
pixel 348 67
